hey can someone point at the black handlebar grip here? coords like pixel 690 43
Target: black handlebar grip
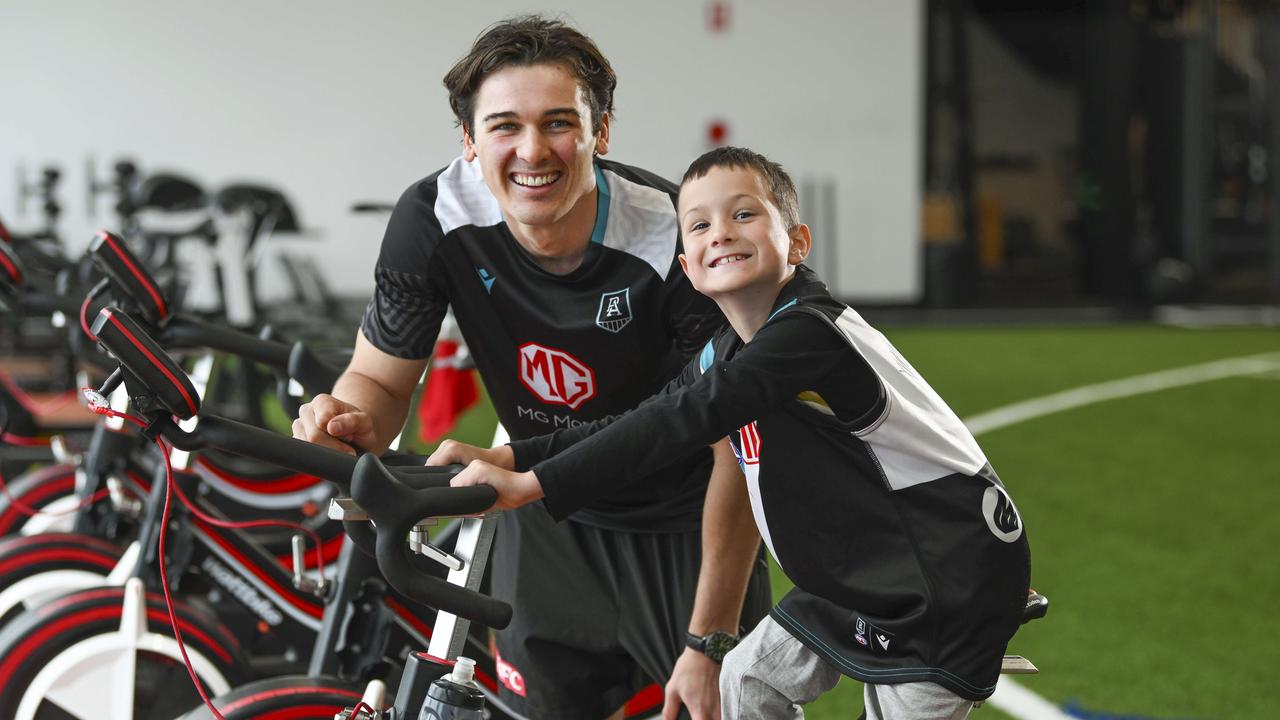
pixel 395 508
pixel 141 356
pixel 362 536
pixel 129 276
pixel 11 274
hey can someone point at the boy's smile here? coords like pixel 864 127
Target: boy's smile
pixel 734 239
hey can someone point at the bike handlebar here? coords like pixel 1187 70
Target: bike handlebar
pixel 110 254
pixel 396 501
pixel 395 498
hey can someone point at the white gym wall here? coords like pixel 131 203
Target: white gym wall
pixel 336 102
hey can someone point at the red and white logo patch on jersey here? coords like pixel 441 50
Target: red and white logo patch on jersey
pixel 749 444
pixel 555 376
pixel 509 676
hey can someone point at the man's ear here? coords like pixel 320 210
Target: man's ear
pixel 801 243
pixel 684 263
pixel 468 146
pixel 602 137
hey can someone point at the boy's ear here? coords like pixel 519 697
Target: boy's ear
pixel 801 243
pixel 684 264
pixel 468 147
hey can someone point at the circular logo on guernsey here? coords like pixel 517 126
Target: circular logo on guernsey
pixel 1001 516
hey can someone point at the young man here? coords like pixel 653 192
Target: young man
pixel 561 270
pixel 910 561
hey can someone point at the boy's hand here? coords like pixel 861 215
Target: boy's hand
pixel 514 489
pixel 452 451
pixel 335 424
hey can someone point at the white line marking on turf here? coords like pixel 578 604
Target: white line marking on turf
pixel 1011 697
pixel 1125 387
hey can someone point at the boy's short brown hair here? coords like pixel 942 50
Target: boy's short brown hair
pixel 524 41
pixel 776 180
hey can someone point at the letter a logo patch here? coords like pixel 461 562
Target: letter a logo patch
pixel 615 310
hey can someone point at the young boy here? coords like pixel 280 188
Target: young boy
pixel 909 558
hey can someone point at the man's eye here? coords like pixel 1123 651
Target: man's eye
pixel 559 124
pixel 503 127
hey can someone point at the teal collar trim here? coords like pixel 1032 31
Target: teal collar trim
pixel 784 307
pixel 602 207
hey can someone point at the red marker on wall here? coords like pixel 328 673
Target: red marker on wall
pixel 717 133
pixel 717 16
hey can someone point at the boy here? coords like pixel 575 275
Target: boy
pixel 909 558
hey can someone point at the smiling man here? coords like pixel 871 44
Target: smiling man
pixel 562 271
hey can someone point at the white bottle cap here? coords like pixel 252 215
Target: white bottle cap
pixel 464 670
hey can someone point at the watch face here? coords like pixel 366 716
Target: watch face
pixel 718 644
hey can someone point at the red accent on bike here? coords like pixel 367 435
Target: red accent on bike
pixel 19 656
pixel 289 593
pixel 13 513
pixel 249 700
pixel 407 615
pixel 142 277
pixel 40 556
pixel 266 486
pixel 191 405
pixel 24 440
pixel 15 275
pixel 329 551
pixel 302 712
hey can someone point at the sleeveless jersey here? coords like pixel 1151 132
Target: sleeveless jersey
pixel 909 558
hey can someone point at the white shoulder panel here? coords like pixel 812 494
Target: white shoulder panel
pixel 462 198
pixel 642 222
pixel 919 438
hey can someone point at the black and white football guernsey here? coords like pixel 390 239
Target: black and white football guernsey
pixel 909 558
pixel 554 350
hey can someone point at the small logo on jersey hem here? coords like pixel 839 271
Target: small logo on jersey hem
pixel 487 279
pixel 615 310
pixel 871 637
pixel 1001 515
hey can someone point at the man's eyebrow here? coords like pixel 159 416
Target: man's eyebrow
pixel 511 114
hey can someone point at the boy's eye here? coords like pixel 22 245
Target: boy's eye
pixel 698 225
pixel 743 214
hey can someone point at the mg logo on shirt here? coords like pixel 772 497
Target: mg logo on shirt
pixel 555 376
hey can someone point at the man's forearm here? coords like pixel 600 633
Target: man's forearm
pixel 386 410
pixel 730 542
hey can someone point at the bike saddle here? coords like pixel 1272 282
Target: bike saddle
pixel 168 192
pixel 268 206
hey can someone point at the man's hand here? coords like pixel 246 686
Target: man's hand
pixel 335 424
pixel 695 684
pixel 514 489
pixel 452 451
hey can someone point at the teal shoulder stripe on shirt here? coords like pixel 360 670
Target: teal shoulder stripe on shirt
pixel 602 207
pixel 707 357
pixel 784 307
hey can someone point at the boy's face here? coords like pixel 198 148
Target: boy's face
pixel 734 239
pixel 532 133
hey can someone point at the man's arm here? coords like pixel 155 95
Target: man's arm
pixel 730 543
pixel 368 404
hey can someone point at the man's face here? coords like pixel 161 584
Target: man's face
pixel 734 238
pixel 532 133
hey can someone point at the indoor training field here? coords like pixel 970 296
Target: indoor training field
pixel 1146 463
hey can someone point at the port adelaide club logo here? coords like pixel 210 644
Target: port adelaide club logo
pixel 615 310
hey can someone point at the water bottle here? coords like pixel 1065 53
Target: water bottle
pixel 455 696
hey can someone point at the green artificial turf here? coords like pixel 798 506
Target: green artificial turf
pixel 1150 517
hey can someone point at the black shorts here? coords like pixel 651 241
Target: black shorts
pixel 599 614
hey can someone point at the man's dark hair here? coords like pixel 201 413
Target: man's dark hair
pixel 524 41
pixel 776 180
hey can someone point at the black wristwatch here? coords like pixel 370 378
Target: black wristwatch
pixel 714 645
